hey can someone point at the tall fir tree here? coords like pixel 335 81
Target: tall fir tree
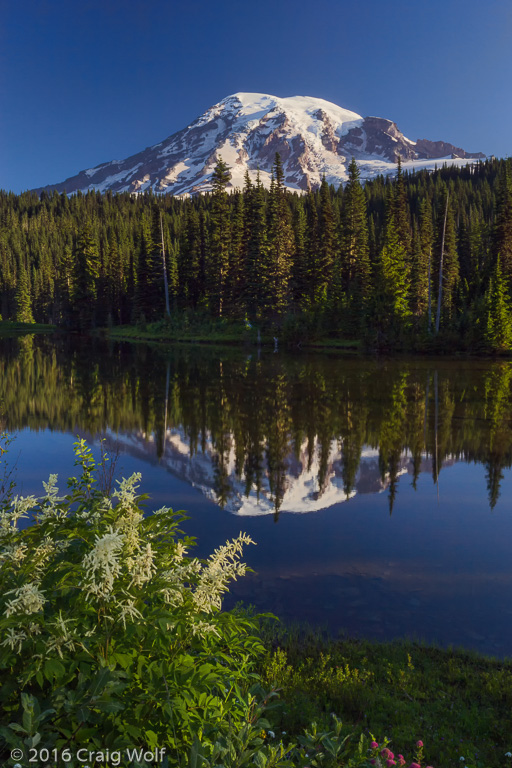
pixel 86 259
pixel 220 238
pixel 498 327
pixel 446 262
pixel 281 246
pixel 23 297
pixel 502 235
pixel 353 265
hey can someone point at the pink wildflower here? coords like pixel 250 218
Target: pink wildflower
pixel 385 752
pixel 389 763
pixel 401 760
pixel 414 765
pixel 374 745
pixel 419 743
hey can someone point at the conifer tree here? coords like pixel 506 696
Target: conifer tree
pixel 353 266
pixel 445 251
pixel 236 272
pixel 256 249
pixel 326 246
pixel 220 238
pixel 86 259
pixel 299 281
pixel 190 258
pixel 400 211
pixel 23 299
pixel 502 235
pixel 281 245
pixel 498 330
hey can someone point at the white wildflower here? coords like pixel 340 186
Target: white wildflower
pixel 221 567
pixel 128 525
pixel 162 511
pixel 16 553
pixel 14 639
pixel 127 491
pixel 127 610
pixel 27 599
pixel 181 573
pixel 102 564
pixel 44 551
pixel 271 734
pixel 142 566
pixel 179 552
pixel 56 643
pixel 202 628
pixel 34 629
pixel 173 597
pixel 51 500
pixel 9 519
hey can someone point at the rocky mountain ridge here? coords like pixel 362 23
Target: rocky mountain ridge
pixel 313 136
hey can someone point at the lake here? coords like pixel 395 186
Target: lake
pixel 378 490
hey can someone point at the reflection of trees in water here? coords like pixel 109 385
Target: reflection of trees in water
pixel 268 419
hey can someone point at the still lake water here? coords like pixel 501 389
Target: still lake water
pixel 378 490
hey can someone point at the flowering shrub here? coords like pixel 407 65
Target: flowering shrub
pixel 110 635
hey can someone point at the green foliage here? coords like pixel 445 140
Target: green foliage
pixel 112 637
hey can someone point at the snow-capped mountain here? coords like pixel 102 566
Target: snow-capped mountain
pixel 314 137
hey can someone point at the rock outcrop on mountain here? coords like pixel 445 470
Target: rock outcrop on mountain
pixel 314 138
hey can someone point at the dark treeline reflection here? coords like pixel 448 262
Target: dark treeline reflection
pixel 263 420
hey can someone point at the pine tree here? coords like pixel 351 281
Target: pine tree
pixel 326 253
pixel 446 263
pixel 281 245
pixel 85 281
pixel 353 267
pixel 502 235
pixel 23 299
pixel 498 331
pixel 299 282
pixel 400 211
pixel 220 239
pixel 257 276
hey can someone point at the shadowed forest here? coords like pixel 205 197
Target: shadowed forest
pixel 423 260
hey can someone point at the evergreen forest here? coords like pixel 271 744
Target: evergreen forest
pixel 419 261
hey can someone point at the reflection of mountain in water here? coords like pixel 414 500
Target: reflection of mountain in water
pixel 281 432
pixel 302 490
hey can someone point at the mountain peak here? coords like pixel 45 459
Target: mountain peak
pixel 313 136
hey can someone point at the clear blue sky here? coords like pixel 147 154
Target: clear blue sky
pixel 87 81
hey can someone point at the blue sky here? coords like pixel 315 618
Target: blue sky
pixel 90 81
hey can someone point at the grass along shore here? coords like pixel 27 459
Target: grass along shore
pixel 13 328
pixel 457 702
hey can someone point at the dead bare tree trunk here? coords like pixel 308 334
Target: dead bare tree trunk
pixel 429 290
pixel 166 284
pixel 440 293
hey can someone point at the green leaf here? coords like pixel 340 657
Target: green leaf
pixel 53 669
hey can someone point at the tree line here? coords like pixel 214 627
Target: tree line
pixel 422 256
